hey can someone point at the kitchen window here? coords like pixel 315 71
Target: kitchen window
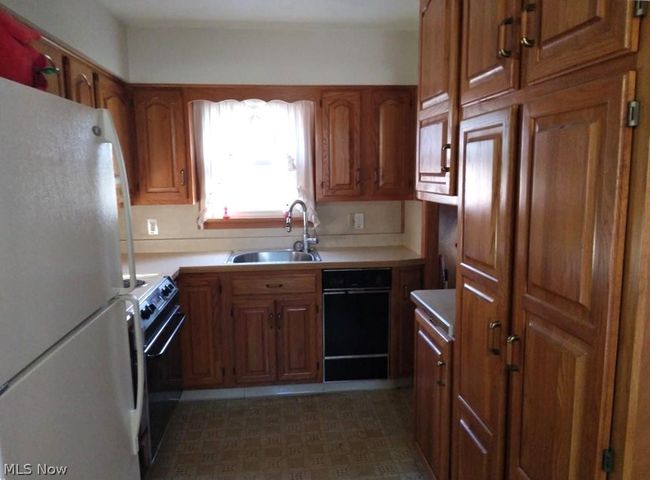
pixel 254 158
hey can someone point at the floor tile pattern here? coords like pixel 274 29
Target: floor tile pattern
pixel 339 436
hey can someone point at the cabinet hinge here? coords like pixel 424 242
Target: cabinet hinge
pixel 608 460
pixel 633 113
pixel 640 8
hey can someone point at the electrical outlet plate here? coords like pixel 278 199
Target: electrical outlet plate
pixel 152 226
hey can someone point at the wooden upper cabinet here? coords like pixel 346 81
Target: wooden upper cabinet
pixel 55 59
pixel 485 241
pixel 80 85
pixel 436 164
pixel 560 35
pixel 570 238
pixel 201 340
pixel 115 97
pixel 439 25
pixel 392 145
pixel 438 98
pixel 340 152
pixel 298 339
pixel 163 164
pixel 254 341
pixel 366 146
pixel 490 51
pixel 433 364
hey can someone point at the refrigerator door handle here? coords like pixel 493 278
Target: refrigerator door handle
pixel 107 134
pixel 136 413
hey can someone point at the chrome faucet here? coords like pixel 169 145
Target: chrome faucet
pixel 307 241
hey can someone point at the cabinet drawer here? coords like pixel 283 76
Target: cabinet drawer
pixel 273 284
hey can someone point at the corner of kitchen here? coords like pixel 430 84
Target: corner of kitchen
pixel 334 239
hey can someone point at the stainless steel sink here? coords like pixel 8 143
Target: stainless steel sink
pixel 273 256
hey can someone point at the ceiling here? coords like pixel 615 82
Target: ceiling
pixel 380 13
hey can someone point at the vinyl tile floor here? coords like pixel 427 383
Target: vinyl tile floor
pixel 353 435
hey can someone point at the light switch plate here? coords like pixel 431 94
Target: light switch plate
pixel 359 221
pixel 152 226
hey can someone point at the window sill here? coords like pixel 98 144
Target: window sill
pixel 268 222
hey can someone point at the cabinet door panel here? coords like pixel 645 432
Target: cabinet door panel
pixel 392 143
pixel 340 163
pixel 485 72
pixel 298 339
pixel 570 238
pixel 202 351
pixel 56 81
pixel 567 35
pixel 254 340
pixel 438 47
pixel 117 100
pixel 435 167
pixel 162 157
pixel 486 196
pixel 79 82
pixel 432 395
pixel 402 327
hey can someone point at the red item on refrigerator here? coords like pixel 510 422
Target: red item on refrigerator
pixel 19 61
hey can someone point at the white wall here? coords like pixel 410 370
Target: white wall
pixel 178 230
pixel 291 55
pixel 83 25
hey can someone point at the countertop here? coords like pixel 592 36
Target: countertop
pixel 440 305
pixel 172 264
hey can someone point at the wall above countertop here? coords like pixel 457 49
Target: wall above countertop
pixel 386 224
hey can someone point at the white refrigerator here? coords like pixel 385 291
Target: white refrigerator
pixel 68 404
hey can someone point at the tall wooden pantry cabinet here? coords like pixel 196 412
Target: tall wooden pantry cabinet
pixel 551 236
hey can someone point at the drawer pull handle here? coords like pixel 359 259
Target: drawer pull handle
pixel 274 285
pixel 526 41
pixel 440 364
pixel 502 51
pixel 510 362
pixel 493 338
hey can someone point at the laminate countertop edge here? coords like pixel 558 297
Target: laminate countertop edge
pixel 175 264
pixel 440 305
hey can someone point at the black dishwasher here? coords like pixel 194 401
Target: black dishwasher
pixel 356 318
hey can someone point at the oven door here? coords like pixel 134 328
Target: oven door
pixel 164 375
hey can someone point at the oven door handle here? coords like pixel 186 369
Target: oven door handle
pixel 153 341
pixel 173 335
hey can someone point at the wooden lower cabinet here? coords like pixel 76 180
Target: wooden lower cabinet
pixel 254 335
pixel 201 341
pixel 275 339
pixel 433 363
pixel 298 335
pixel 402 338
pixel 276 335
